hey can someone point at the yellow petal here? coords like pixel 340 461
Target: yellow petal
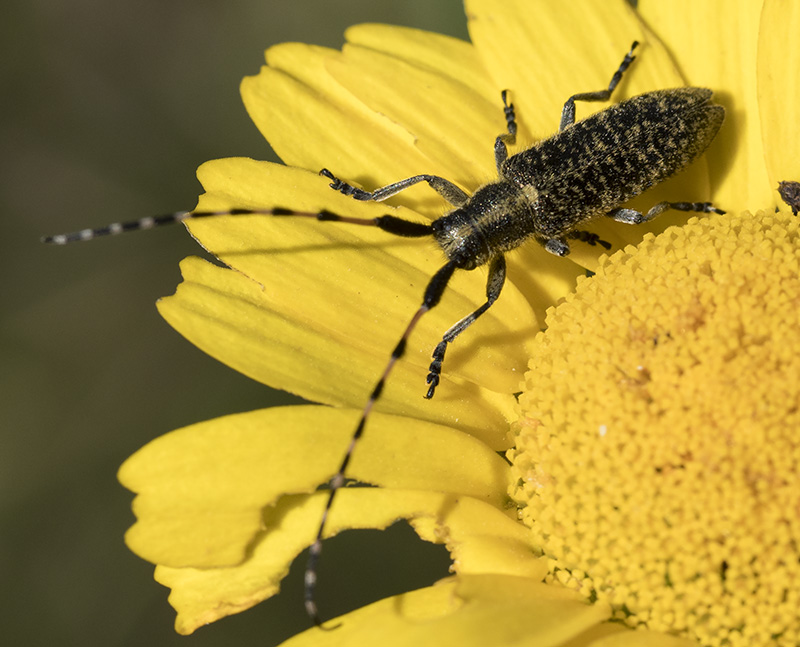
pixel 218 311
pixel 466 611
pixel 545 52
pixel 452 57
pixel 715 45
pixel 202 489
pixel 779 89
pixel 204 595
pixel 294 99
pixel 483 540
pixel 453 124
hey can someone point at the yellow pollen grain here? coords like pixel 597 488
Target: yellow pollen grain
pixel 658 451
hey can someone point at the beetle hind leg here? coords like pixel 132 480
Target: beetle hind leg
pixel 633 217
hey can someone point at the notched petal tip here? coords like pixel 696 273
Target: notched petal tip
pixel 207 594
pixel 202 489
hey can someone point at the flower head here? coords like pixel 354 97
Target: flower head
pixel 223 507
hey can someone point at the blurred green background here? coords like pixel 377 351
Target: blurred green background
pixel 107 109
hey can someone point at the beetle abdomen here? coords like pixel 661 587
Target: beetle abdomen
pixel 604 160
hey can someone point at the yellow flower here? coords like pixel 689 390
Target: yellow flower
pixel 223 507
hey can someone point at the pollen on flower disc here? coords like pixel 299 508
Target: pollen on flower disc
pixel 658 451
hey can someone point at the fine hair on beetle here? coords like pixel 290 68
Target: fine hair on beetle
pixel 545 193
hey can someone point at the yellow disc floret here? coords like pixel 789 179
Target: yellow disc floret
pixel 658 452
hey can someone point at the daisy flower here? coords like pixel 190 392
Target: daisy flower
pixel 643 487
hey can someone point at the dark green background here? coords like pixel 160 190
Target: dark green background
pixel 107 109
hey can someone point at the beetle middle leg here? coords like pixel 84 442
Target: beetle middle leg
pixel 589 237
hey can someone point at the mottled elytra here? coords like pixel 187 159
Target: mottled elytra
pixel 546 193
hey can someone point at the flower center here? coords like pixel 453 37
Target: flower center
pixel 658 452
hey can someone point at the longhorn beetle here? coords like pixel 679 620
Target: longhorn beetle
pixel 546 192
